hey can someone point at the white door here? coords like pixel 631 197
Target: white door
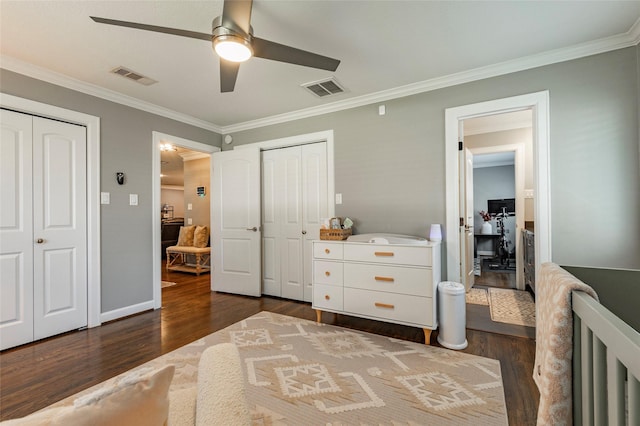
pixel 270 224
pixel 16 230
pixel 236 222
pixel 314 203
pixel 466 224
pixel 43 228
pixel 59 227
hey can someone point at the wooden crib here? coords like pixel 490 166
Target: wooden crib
pixel 606 366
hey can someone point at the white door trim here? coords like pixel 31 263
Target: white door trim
pixel 518 150
pixel 323 136
pixel 539 104
pixel 156 239
pixel 92 124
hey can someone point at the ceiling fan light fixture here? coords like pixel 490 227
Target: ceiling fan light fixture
pixel 232 48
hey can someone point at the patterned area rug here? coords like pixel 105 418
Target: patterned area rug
pixel 167 284
pixel 512 307
pixel 477 296
pixel 299 372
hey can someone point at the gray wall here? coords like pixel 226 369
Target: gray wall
pixel 493 183
pixel 126 145
pixel 391 169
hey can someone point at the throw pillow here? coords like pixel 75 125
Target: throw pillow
pixel 138 398
pixel 201 236
pixel 186 235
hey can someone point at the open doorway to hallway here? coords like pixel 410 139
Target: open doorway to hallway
pixel 501 148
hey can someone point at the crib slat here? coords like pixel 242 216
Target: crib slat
pixel 615 390
pixel 634 400
pixel 599 382
pixel 577 370
pixel 587 375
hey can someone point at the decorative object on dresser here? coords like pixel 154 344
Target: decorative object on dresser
pixel 384 277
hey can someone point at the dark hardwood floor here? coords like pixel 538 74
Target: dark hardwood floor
pixel 38 374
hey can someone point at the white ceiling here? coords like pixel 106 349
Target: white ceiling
pixel 387 48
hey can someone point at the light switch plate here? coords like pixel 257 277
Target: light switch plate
pixel 189 206
pixel 338 198
pixel 105 198
pixel 189 221
pixel 133 199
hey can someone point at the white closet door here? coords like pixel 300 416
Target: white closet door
pixel 291 248
pixel 270 225
pixel 16 230
pixel 315 206
pixel 59 227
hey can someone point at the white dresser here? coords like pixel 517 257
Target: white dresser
pixel 387 282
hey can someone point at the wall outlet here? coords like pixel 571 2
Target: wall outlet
pixel 133 199
pixel 189 206
pixel 189 221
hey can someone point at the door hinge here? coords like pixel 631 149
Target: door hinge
pixel 462 221
pixel 460 146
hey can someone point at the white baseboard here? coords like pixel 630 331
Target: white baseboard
pixel 126 311
pixel 486 253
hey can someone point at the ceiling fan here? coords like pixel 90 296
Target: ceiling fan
pixel 233 41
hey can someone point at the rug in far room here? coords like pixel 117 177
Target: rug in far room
pixel 300 372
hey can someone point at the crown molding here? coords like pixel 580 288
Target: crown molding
pixel 628 39
pixel 12 64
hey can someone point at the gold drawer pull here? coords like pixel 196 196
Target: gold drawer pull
pixel 327 273
pixel 326 297
pixel 327 251
pixel 387 279
pixel 384 305
pixel 384 253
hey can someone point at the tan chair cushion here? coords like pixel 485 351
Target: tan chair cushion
pixel 189 250
pixel 201 236
pixel 186 236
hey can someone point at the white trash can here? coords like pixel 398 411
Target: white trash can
pixel 452 315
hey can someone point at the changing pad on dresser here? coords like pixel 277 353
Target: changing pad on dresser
pixel 380 238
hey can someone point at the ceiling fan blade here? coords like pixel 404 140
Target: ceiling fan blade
pixel 228 75
pixel 279 52
pixel 154 28
pixel 237 14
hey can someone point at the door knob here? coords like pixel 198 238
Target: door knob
pixel 254 229
pixel 39 241
pixel 304 232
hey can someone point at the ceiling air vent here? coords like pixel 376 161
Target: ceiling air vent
pixel 132 75
pixel 324 88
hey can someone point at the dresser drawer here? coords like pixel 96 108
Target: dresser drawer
pixel 394 279
pixel 388 306
pixel 327 297
pixel 325 272
pixel 389 254
pixel 322 250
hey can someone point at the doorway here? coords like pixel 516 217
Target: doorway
pixel 538 103
pixel 501 147
pixel 178 150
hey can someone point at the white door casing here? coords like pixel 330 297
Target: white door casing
pixel 43 225
pixel 60 227
pixel 16 230
pixel 466 224
pixel 236 236
pixel 539 104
